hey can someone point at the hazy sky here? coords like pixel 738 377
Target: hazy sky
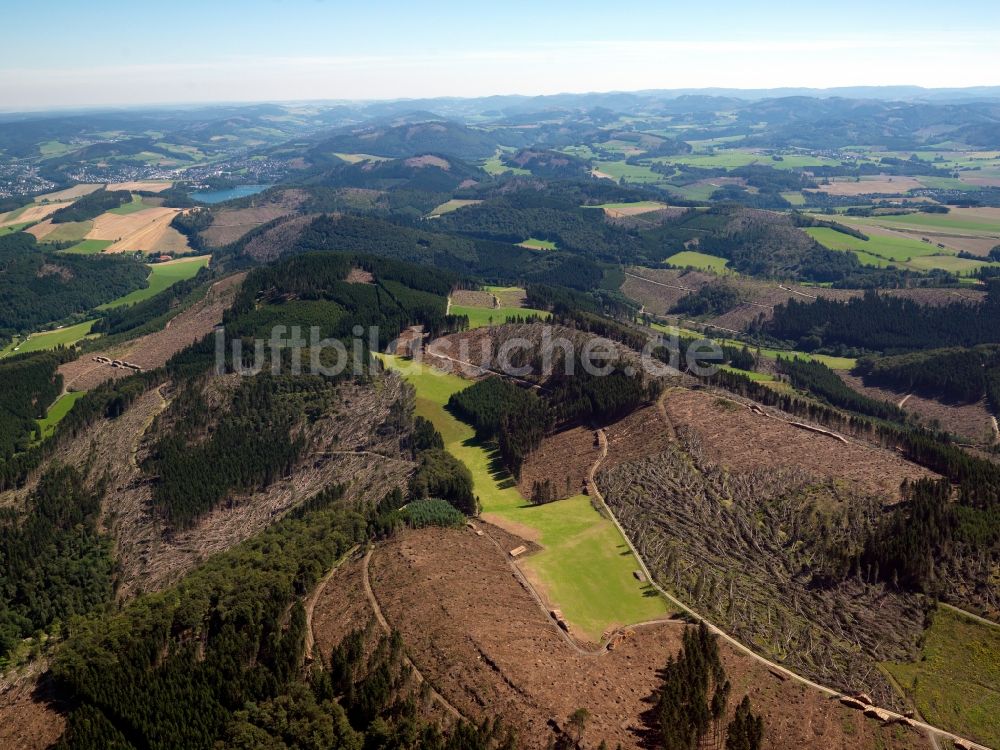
pixel 73 53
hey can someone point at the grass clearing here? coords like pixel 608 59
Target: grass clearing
pixel 49 339
pixel 57 411
pixel 895 249
pixel 11 228
pixel 479 317
pixel 72 231
pixel 453 205
pixel 701 261
pixel 89 247
pixel 136 204
pixel 585 568
pixel 956 682
pixel 533 243
pixel 162 276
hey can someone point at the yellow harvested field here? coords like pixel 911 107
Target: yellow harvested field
pixel 146 186
pixel 171 242
pixel 31 213
pixel 143 230
pixel 71 231
pixel 72 193
pixel 882 184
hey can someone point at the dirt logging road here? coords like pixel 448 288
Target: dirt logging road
pixel 384 624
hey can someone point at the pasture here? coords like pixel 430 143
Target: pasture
pixel 895 249
pixel 89 247
pixel 585 567
pixel 162 276
pixel 57 411
pixel 701 261
pixel 37 342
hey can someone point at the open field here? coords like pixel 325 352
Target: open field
pixel 509 296
pixel 136 204
pixel 896 249
pixel 452 205
pixel 89 247
pixel 69 194
pixel 72 231
pixel 162 276
pixel 533 243
pixel 974 230
pixel 358 158
pixel 701 261
pixel 57 411
pixel 585 568
pixel 137 231
pixel 145 186
pixel 636 208
pixel 483 642
pixel 956 681
pixel 50 339
pixel 31 213
pixel 882 185
pixel 490 316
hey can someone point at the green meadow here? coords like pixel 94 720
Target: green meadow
pixel 702 261
pixel 895 249
pixel 89 247
pixel 57 411
pixel 136 204
pixel 533 243
pixel 956 681
pixel 585 568
pixel 49 339
pixel 453 205
pixel 162 276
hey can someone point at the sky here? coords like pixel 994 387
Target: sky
pixel 67 53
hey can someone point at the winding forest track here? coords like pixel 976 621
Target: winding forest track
pixel 933 733
pixel 387 629
pixel 310 606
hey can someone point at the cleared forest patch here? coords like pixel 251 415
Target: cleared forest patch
pixel 562 459
pixel 739 439
pixel 229 224
pixel 154 349
pixel 756 551
pixel 481 640
pixel 972 422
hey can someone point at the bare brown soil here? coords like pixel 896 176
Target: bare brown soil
pixel 739 439
pixel 563 459
pixel 972 422
pixel 359 276
pixel 481 640
pixel 153 350
pixel 472 298
pixel 27 720
pixel 641 433
pixel 232 223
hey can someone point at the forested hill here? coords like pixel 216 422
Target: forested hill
pixel 38 286
pixel 888 324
